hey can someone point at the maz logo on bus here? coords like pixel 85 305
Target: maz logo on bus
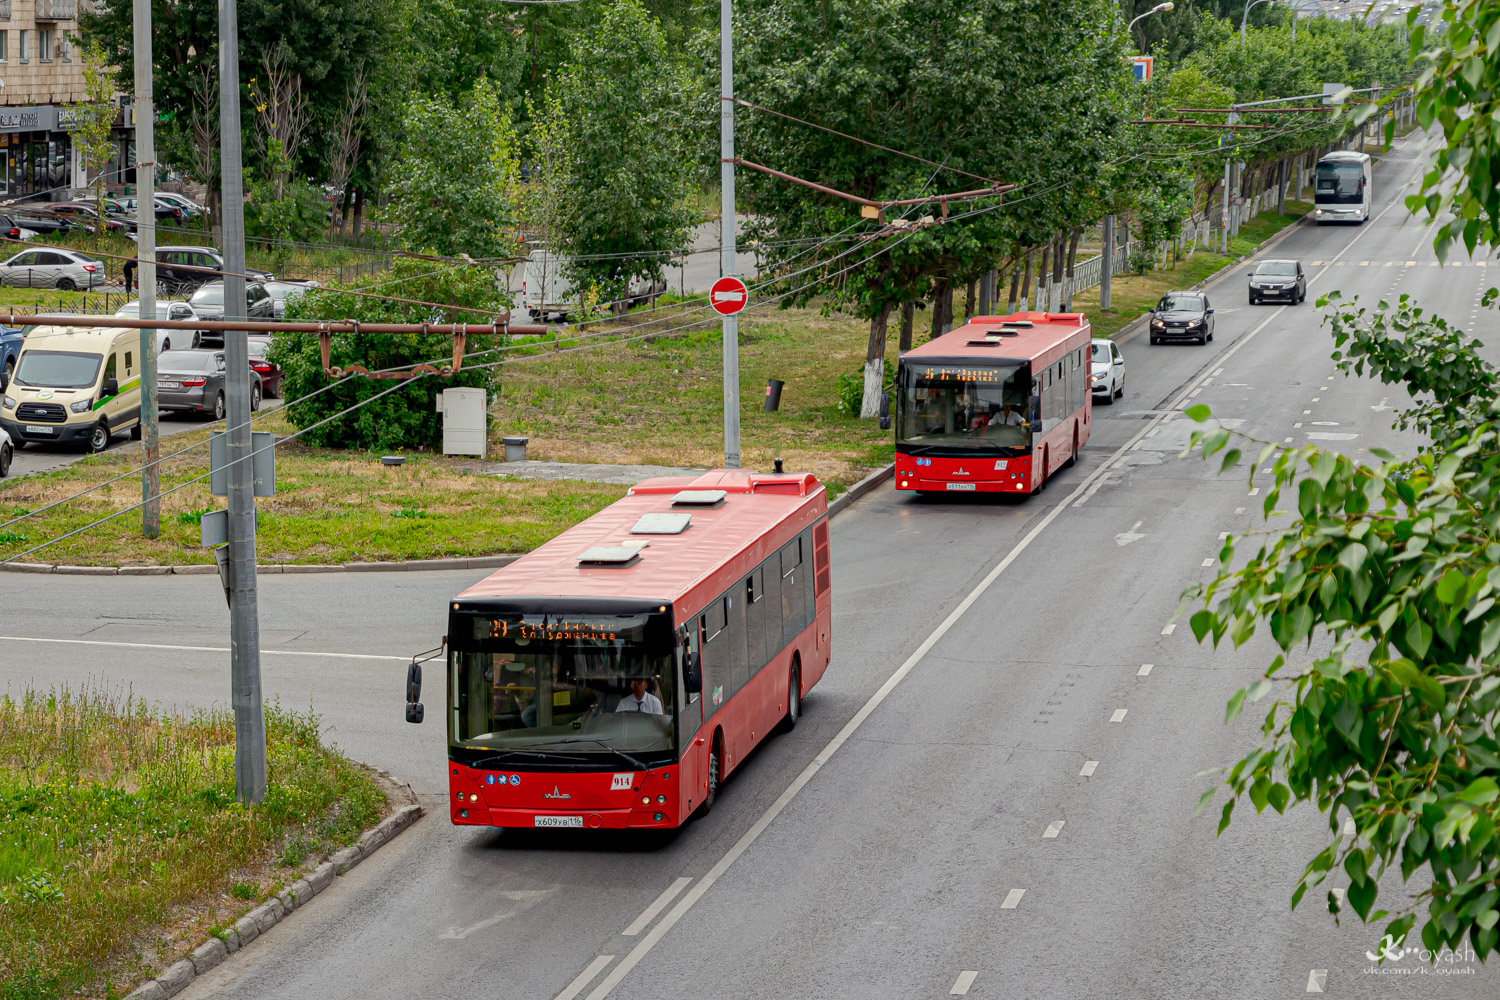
pixel 549 632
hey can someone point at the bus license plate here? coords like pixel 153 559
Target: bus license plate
pixel 960 486
pixel 34 429
pixel 558 821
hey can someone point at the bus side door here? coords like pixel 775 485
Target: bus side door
pixel 692 758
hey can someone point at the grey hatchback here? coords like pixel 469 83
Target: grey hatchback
pixel 193 382
pixel 1278 279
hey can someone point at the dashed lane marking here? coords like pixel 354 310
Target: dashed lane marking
pixel 1169 628
pixel 1053 829
pixel 1012 899
pixel 962 983
pixel 1208 562
pixel 585 977
pixel 1089 767
pixel 1145 670
pixel 649 913
pixel 1119 715
pixel 1316 980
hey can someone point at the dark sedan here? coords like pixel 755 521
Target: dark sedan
pixel 1182 316
pixel 208 303
pixel 194 382
pixel 1278 279
pixel 269 371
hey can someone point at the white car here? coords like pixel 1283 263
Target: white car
pixel 7 452
pixel 63 269
pixel 172 309
pixel 547 292
pixel 1107 376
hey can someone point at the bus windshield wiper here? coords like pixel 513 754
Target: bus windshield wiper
pixel 500 758
pixel 612 749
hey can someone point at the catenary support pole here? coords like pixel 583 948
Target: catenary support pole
pixel 145 231
pixel 727 255
pixel 1107 261
pixel 244 623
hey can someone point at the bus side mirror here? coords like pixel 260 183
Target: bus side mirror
pixel 885 411
pixel 694 679
pixel 1036 412
pixel 414 710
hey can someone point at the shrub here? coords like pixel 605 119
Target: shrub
pixel 851 388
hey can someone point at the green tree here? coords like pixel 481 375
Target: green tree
pixel 406 418
pixel 95 121
pixel 454 182
pixel 624 111
pixel 970 99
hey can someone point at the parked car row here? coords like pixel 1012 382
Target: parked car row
pixel 82 386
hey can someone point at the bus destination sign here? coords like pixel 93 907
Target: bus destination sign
pixel 997 375
pixel 527 630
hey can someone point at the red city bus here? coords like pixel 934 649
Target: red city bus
pixel 997 405
pixel 616 675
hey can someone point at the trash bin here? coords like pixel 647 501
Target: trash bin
pixel 515 448
pixel 773 394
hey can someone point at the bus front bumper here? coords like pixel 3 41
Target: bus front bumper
pixel 587 819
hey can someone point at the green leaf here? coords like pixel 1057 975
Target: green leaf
pixel 1279 796
pixel 1224 819
pixel 1450 586
pixel 1198 413
pixel 1481 792
pixel 1231 459
pixel 1200 623
pixel 1352 557
pixel 1235 706
pixel 1205 799
pixel 1298 893
pixel 1260 791
pixel 1362 896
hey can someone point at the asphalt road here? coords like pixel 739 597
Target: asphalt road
pixel 989 684
pixel 44 458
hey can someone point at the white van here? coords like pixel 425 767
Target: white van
pixel 74 386
pixel 546 292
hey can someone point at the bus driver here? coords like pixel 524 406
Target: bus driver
pixel 639 699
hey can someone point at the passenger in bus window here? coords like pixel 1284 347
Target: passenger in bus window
pixel 640 699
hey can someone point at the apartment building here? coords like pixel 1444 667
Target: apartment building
pixel 41 80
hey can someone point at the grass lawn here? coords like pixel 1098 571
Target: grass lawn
pixel 661 403
pixel 330 507
pixel 1131 294
pixel 121 843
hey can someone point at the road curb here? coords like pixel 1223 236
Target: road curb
pixel 212 952
pixel 860 489
pixel 398 566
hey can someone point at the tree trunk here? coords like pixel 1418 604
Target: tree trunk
pixel 1025 299
pixel 947 305
pixel 1281 187
pixel 969 299
pixel 939 292
pixel 1015 281
pixel 359 212
pixel 1072 259
pixel 875 365
pixel 1042 275
pixel 908 317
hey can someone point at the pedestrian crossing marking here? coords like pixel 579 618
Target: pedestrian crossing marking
pixel 1411 263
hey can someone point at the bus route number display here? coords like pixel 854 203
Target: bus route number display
pixel 978 376
pixel 546 631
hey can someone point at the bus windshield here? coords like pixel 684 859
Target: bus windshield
pixel 1340 184
pixel 971 407
pixel 548 682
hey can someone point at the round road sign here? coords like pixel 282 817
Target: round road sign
pixel 728 295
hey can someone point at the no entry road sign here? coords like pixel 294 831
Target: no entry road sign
pixel 728 295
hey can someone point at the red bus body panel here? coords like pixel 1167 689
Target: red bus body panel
pixel 761 513
pixel 1050 338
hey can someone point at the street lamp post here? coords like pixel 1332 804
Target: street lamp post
pixel 1246 18
pixel 1160 8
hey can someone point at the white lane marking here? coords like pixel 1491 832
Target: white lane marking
pixel 1145 670
pixel 585 977
pixel 1223 535
pixel 1195 392
pixel 1286 440
pixel 1169 628
pixel 962 983
pixel 1239 510
pixel 1297 425
pixel 1089 493
pixel 524 899
pixel 1119 715
pixel 1012 899
pixel 1053 829
pixel 1411 263
pixel 1382 405
pixel 1208 562
pixel 649 913
pixel 1330 436
pixel 1324 423
pixel 1255 491
pixel 1316 980
pixel 697 892
pixel 1124 538
pixel 1089 767
pixel 197 649
pixel 1218 371
pixel 1316 398
pixel 1306 412
pixel 1153 432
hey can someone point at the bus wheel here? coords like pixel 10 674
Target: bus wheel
pixel 793 697
pixel 1073 458
pixel 715 766
pixel 1046 470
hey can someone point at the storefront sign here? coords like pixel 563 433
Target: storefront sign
pixel 38 119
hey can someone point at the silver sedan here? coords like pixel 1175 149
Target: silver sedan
pixel 63 269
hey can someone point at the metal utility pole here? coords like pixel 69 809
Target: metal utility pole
pixel 1107 262
pixel 145 231
pixel 726 211
pixel 244 618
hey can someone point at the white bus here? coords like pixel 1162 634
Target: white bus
pixel 1341 188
